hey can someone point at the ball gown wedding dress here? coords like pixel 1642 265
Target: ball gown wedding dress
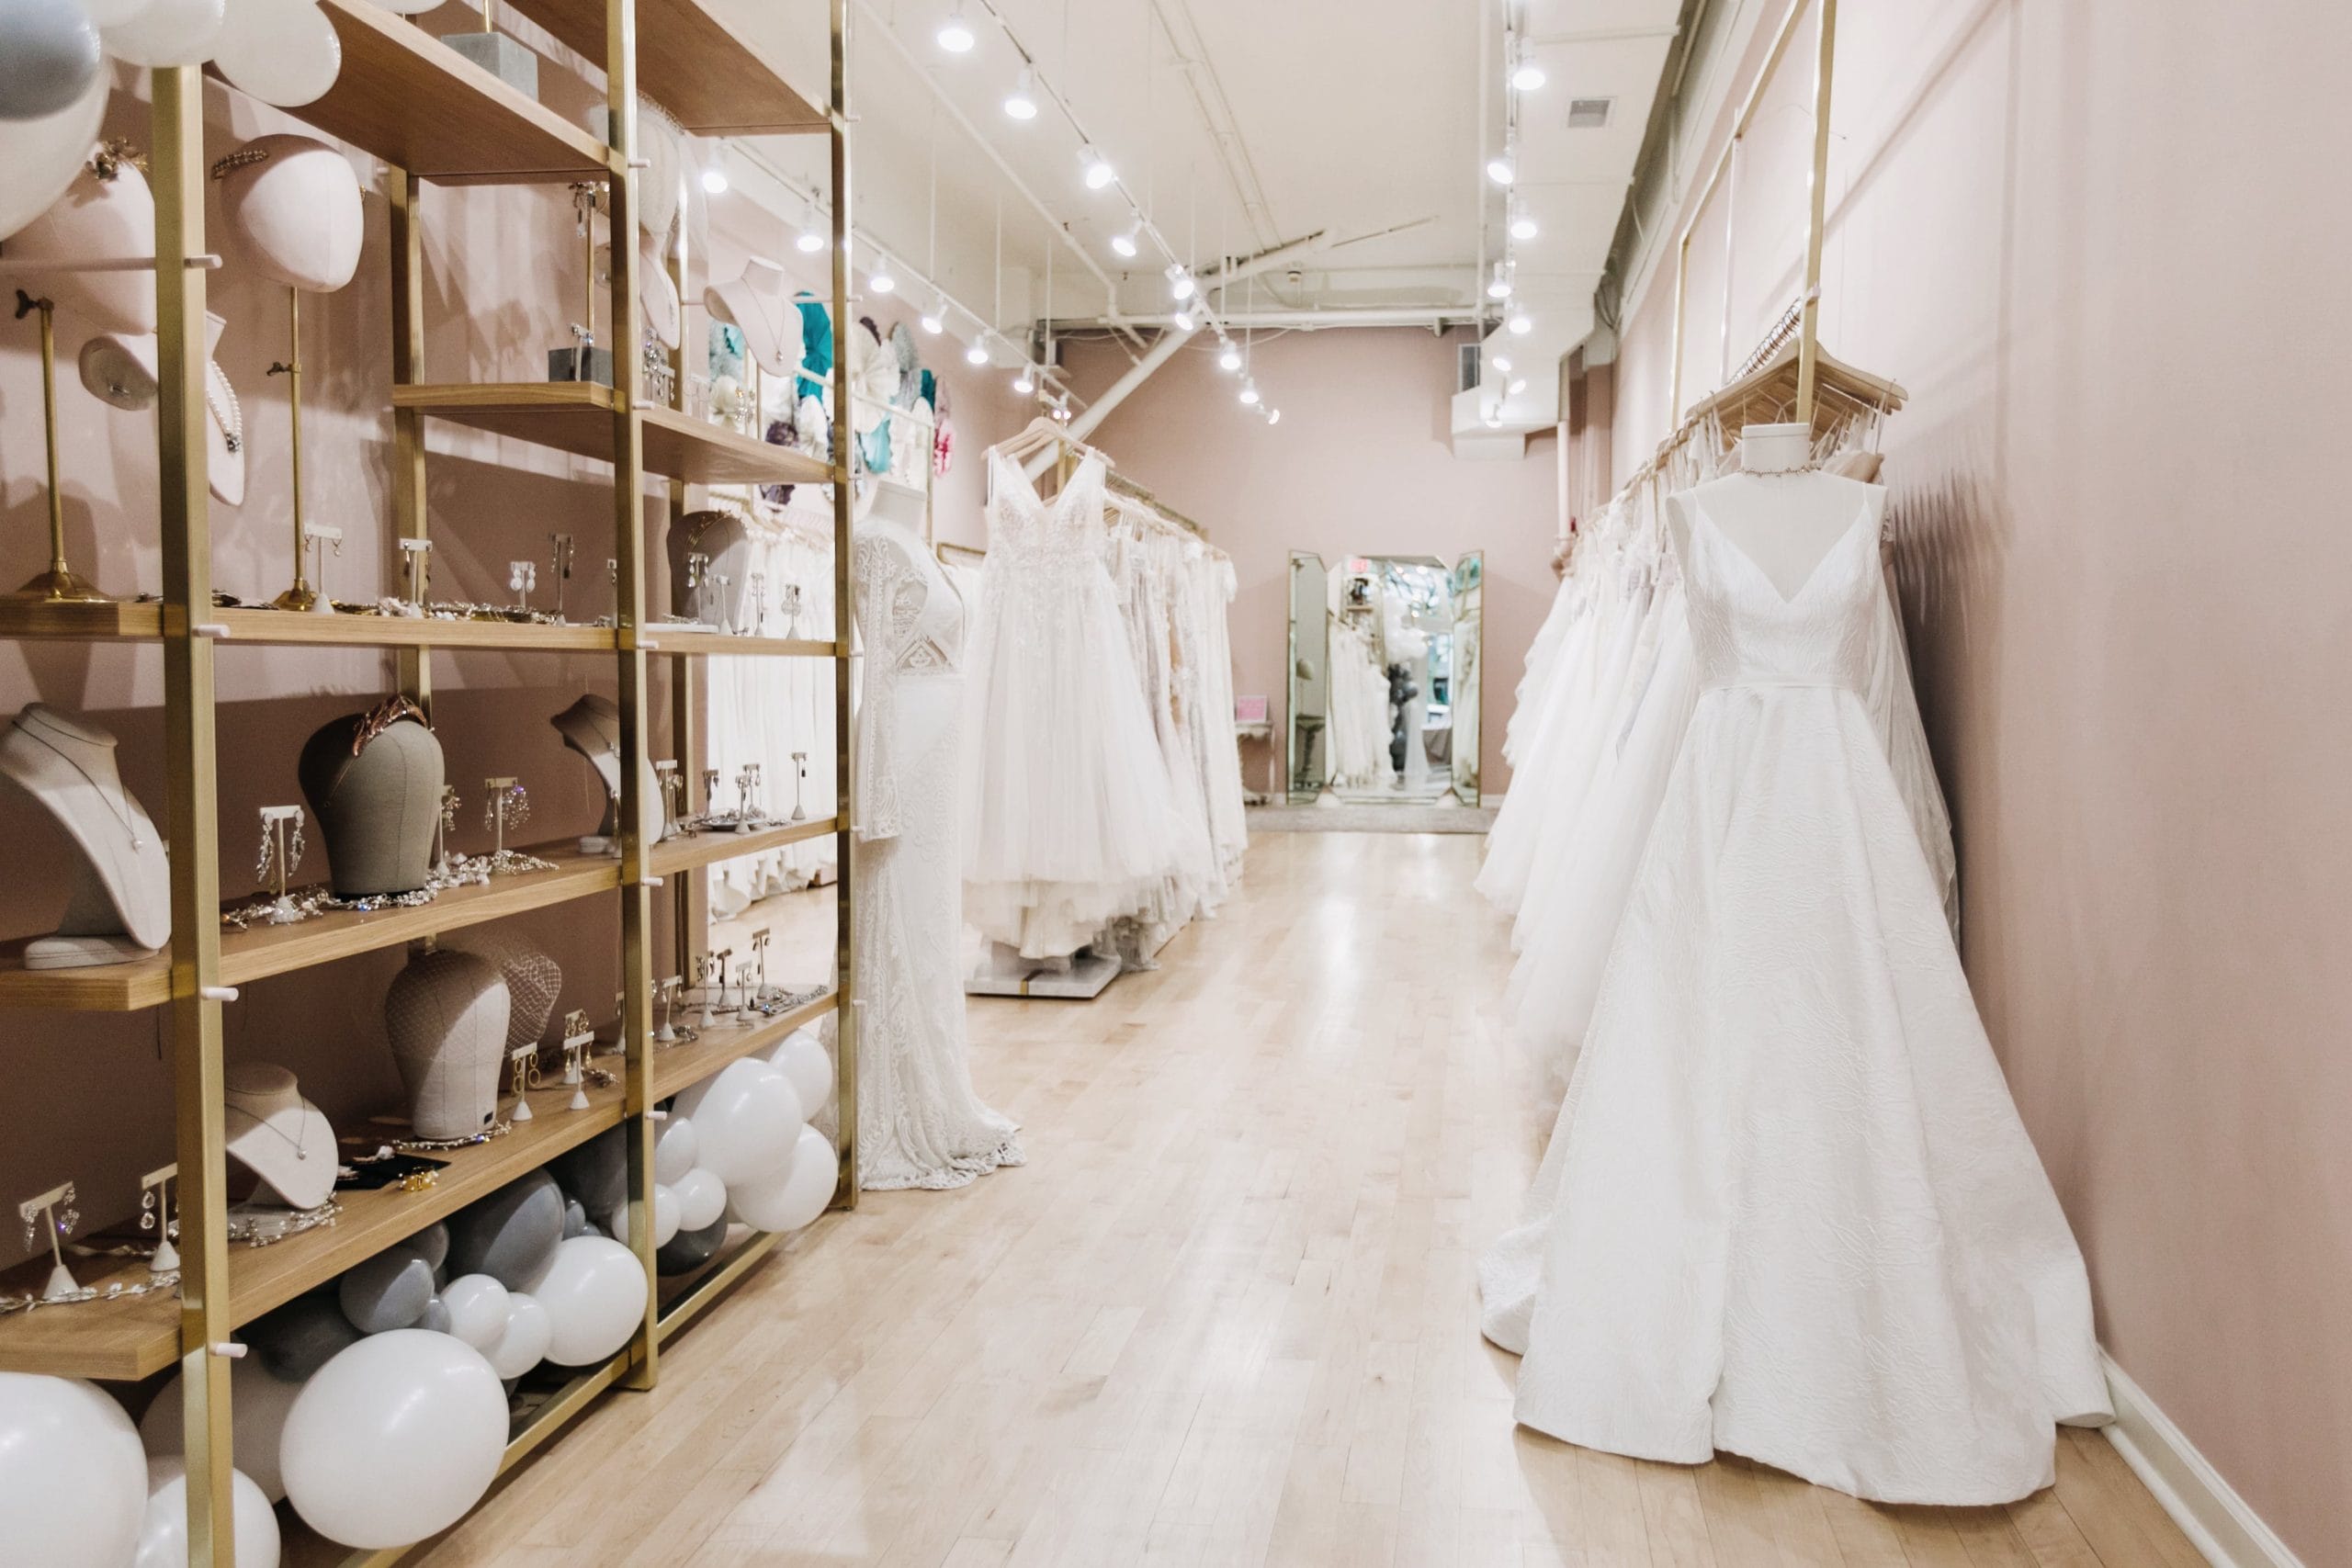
pixel 919 1121
pixel 1069 822
pixel 1788 1210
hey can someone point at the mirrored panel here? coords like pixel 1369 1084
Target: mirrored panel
pixel 1383 679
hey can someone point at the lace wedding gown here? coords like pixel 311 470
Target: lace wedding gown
pixel 1068 821
pixel 919 1121
pixel 1788 1210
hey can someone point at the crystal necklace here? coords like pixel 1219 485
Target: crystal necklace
pixel 299 1145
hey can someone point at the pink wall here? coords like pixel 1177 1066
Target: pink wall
pixel 1360 465
pixel 502 286
pixel 2103 248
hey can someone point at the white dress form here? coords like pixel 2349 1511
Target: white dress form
pixel 1788 1210
pixel 919 1121
pixel 120 905
pixel 760 305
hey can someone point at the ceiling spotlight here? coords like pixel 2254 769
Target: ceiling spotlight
pixel 955 34
pixel 1523 227
pixel 714 180
pixel 1518 385
pixel 1521 323
pixel 881 282
pixel 1124 242
pixel 1099 172
pixel 1184 318
pixel 932 322
pixel 1494 419
pixel 1024 383
pixel 810 242
pixel 1498 283
pixel 1501 170
pixel 1022 103
pixel 1230 359
pixel 1250 393
pixel 1180 282
pixel 1273 416
pixel 1499 362
pixel 977 355
pixel 1527 73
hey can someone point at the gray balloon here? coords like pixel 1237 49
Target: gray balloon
pixel 596 1172
pixel 431 1243
pixel 301 1336
pixel 388 1291
pixel 437 1317
pixel 690 1250
pixel 575 1219
pixel 49 55
pixel 511 1235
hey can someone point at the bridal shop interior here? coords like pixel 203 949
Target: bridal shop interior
pixel 992 784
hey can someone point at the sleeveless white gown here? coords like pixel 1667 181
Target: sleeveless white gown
pixel 919 1121
pixel 1788 1210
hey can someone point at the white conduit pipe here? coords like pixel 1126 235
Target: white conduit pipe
pixel 1138 374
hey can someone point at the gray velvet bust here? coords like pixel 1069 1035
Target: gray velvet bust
pixel 376 805
pixel 447 1014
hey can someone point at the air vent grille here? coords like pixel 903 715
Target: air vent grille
pixel 1466 366
pixel 1590 114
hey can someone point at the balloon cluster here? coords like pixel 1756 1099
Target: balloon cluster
pixel 737 1147
pixel 54 79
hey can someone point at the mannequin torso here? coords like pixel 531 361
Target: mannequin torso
pixel 68 768
pixel 1782 515
pixel 760 305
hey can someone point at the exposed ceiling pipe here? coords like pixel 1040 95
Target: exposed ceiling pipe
pixel 1221 273
pixel 1085 424
pixel 1327 316
pixel 1218 117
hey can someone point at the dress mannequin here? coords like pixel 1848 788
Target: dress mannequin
pixel 121 906
pixel 1779 512
pixel 374 785
pixel 293 204
pixel 760 304
pixel 592 726
pixel 278 1135
pixel 108 212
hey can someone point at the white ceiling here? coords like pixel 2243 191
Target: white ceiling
pixel 1245 124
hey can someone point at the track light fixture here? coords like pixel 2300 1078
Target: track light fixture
pixel 1521 323
pixel 1097 168
pixel 955 34
pixel 714 180
pixel 977 355
pixel 1523 227
pixel 809 241
pixel 1527 72
pixel 880 280
pixel 1501 169
pixel 1021 102
pixel 1230 359
pixel 1180 282
pixel 1027 382
pixel 1249 394
pixel 1273 416
pixel 1183 319
pixel 1124 242
pixel 932 322
pixel 1498 283
pixel 1500 362
pixel 1518 385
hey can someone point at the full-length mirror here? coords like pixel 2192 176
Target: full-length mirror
pixel 1383 679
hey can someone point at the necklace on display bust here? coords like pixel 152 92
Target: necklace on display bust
pixel 299 1145
pixel 221 398
pixel 130 823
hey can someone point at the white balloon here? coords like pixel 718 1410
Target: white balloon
pixel 804 1059
pixel 45 155
pixel 258 1404
pixel 73 1476
pixel 162 1533
pixel 394 1439
pixel 167 32
pixel 790 1201
pixel 478 1307
pixel 667 1214
pixel 113 12
pixel 676 1149
pixel 595 1296
pixel 52 54
pixel 747 1121
pixel 702 1198
pixel 523 1345
pixel 282 51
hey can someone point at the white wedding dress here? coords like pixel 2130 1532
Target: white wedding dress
pixel 1069 822
pixel 919 1121
pixel 1788 1210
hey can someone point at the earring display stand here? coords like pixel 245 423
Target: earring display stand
pixel 412 104
pixel 302 596
pixel 60 584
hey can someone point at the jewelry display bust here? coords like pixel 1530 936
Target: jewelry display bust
pixel 446 1015
pixel 293 205
pixel 373 783
pixel 592 726
pixel 121 906
pixel 108 212
pixel 724 541
pixel 278 1135
pixel 760 305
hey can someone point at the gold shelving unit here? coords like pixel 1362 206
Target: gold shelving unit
pixel 436 119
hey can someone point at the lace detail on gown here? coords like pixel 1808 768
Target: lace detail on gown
pixel 919 1121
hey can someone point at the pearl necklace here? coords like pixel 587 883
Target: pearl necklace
pixel 231 419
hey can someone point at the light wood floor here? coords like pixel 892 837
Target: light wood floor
pixel 1226 1316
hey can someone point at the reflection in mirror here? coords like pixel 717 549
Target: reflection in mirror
pixel 1383 679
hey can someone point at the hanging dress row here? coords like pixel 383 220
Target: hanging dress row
pixel 1356 735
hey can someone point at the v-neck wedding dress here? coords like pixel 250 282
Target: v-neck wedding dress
pixel 1788 1210
pixel 1069 822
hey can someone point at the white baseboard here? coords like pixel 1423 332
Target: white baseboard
pixel 2206 1507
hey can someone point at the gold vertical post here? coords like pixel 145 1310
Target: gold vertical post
pixel 844 606
pixel 405 191
pixel 58 585
pixel 300 597
pixel 630 556
pixel 1809 339
pixel 689 897
pixel 188 745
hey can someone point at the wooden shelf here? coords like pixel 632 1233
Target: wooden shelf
pixel 412 101
pixel 679 1067
pixel 263 951
pixel 709 847
pixel 720 644
pixel 275 627
pixel 577 417
pixel 138 1337
pixel 111 620
pixel 691 64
